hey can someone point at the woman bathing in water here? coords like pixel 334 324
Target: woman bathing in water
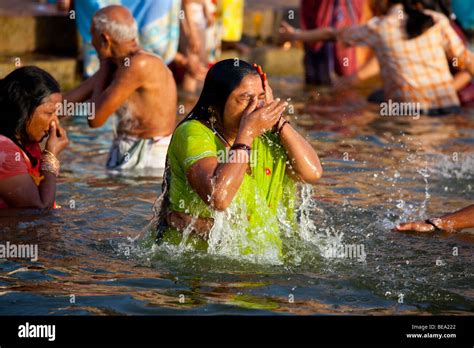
pixel 234 148
pixel 28 100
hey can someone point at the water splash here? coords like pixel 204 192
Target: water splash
pixel 229 234
pixel 424 172
pixel 454 166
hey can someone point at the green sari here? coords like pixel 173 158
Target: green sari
pixel 264 201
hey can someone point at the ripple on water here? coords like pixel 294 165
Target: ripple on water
pixel 378 172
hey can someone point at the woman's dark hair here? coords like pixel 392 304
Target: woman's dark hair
pixel 442 6
pixel 21 92
pixel 220 81
pixel 417 21
pixel 224 77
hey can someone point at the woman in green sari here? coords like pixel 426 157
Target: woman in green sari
pixel 231 169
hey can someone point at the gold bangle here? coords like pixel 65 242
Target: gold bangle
pixel 52 154
pixel 49 163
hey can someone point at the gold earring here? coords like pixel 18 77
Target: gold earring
pixel 212 119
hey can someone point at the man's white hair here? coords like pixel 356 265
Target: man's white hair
pixel 118 31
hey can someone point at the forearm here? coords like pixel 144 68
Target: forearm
pixel 461 79
pixel 188 26
pixel 100 84
pixel 321 34
pixel 229 175
pixel 226 182
pixel 467 61
pixel 456 50
pixel 458 220
pixel 303 159
pixel 101 99
pixel 82 92
pixel 180 59
pixel 47 190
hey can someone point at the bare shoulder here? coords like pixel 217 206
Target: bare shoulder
pixel 147 62
pixel 146 67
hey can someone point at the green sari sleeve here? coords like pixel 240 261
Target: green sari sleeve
pixel 194 141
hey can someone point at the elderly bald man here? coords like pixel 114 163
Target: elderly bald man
pixel 134 84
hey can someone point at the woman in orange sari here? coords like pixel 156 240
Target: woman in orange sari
pixel 28 104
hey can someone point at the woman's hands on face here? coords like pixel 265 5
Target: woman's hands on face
pixel 57 140
pixel 255 121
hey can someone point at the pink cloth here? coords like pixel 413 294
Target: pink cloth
pixel 14 161
pixel 337 14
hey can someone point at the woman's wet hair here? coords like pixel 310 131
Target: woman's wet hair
pixel 21 92
pixel 223 78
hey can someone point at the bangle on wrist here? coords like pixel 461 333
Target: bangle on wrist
pixel 281 126
pixel 240 146
pixel 49 163
pixel 430 222
pixel 277 125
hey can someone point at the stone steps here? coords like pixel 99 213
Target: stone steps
pixel 276 61
pixel 64 69
pixel 46 32
pixel 34 34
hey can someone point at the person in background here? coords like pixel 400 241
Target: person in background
pixel 404 38
pixel 325 61
pixel 134 84
pixel 196 28
pixel 462 79
pixel 459 220
pixel 158 23
pixel 28 104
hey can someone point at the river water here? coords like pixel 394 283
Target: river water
pixel 377 171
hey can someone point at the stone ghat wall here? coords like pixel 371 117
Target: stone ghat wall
pixel 37 34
